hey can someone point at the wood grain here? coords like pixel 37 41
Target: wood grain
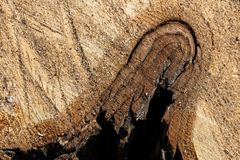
pixel 160 57
pixel 59 61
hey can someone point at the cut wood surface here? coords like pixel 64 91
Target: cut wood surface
pixel 63 62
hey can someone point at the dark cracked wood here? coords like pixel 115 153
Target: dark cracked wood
pixel 160 57
pixel 58 57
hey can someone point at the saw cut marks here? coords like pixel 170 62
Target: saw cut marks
pixel 159 58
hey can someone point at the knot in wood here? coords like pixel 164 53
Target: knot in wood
pixel 159 58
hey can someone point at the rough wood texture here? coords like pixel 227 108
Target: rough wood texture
pixel 161 56
pixel 59 59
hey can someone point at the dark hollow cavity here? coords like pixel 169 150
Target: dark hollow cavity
pixel 147 141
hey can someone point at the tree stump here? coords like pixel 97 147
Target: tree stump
pixel 140 79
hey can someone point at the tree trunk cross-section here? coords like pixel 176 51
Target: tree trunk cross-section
pixel 77 72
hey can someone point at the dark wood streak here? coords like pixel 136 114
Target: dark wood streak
pixel 160 57
pixel 78 47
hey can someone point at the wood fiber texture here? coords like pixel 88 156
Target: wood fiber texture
pixel 61 61
pixel 160 57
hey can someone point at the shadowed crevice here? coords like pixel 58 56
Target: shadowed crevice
pixel 178 154
pixel 103 146
pixel 147 141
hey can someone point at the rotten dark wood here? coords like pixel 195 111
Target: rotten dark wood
pixel 160 57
